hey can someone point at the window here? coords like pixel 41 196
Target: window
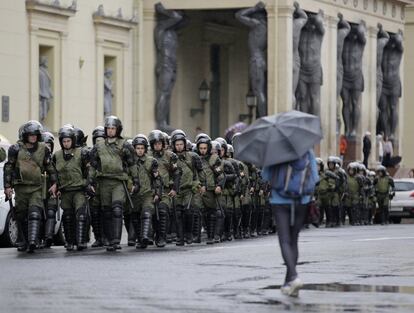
pixel 404 186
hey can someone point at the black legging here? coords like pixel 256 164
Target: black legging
pixel 288 235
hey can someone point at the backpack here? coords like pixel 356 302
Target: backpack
pixel 294 179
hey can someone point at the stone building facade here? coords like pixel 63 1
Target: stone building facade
pixel 83 38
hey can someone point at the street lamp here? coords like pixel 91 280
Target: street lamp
pixel 251 102
pixel 203 96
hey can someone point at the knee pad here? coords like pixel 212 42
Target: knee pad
pixel 51 214
pixel 145 214
pixel 34 213
pixel 163 208
pixel 81 214
pixel 117 211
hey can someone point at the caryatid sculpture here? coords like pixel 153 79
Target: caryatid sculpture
pixel 308 92
pixel 166 42
pixel 353 78
pixel 391 86
pixel 255 18
pixel 45 90
pixel 343 30
pixel 108 94
pixel 382 39
pixel 299 20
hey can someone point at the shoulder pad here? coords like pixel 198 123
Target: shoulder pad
pixel 85 151
pixel 14 149
pixel 173 156
pixel 154 161
pixel 228 167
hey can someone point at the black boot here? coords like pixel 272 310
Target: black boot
pixel 81 229
pixel 246 212
pixel 96 221
pixel 197 227
pixel 228 222
pixel 136 225
pixel 114 243
pixel 219 226
pixel 145 227
pixel 180 227
pixel 107 228
pixel 68 220
pixel 188 226
pixel 33 227
pixel 21 242
pixel 211 226
pixel 50 226
pixel 162 227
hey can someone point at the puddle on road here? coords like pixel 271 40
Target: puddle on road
pixel 338 287
pixel 329 308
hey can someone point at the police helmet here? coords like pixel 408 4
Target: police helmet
pixel 140 139
pixel 32 128
pixel 67 132
pixel 156 136
pixel 47 137
pixel 113 121
pixel 98 132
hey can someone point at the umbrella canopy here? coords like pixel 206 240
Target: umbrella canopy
pixel 235 128
pixel 278 138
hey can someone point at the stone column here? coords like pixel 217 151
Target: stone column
pixel 328 89
pixel 273 64
pixel 368 121
pixel 284 59
pixel 146 107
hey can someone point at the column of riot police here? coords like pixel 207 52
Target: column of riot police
pixel 162 188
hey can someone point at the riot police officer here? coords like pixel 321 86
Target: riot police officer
pixel 384 190
pixel 170 178
pixel 190 165
pixel 71 165
pixel 98 135
pixel 353 193
pixel 108 160
pixel 28 160
pixel 51 205
pixel 212 183
pixel 145 202
pixel 231 171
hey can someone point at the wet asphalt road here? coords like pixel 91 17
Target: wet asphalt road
pixel 359 269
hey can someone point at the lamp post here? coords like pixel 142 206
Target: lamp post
pixel 203 96
pixel 251 102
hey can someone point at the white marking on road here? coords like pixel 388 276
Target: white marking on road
pixel 237 247
pixel 383 238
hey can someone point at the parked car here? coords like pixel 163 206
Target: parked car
pixel 8 227
pixel 402 205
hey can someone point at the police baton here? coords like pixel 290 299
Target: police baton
pixel 11 206
pixel 157 214
pixel 128 195
pixel 57 208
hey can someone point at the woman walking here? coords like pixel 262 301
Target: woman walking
pixel 291 195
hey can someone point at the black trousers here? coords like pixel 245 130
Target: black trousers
pixel 289 235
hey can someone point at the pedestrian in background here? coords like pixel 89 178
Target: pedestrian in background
pixel 366 147
pixel 343 146
pixel 380 148
pixel 388 152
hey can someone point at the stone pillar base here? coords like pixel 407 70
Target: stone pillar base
pixel 353 152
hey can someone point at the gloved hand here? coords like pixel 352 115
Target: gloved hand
pixel 135 188
pixel 90 191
